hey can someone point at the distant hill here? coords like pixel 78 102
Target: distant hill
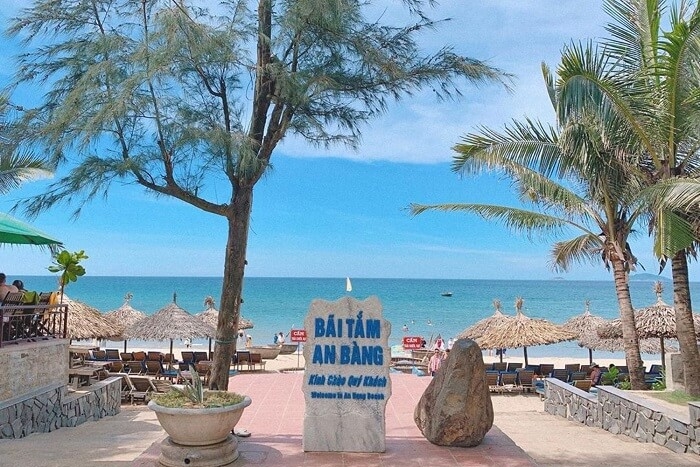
pixel 648 277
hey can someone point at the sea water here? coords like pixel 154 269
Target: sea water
pixel 280 304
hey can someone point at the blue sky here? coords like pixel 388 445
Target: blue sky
pixel 335 213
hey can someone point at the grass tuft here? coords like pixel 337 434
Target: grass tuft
pixel 674 397
pixel 177 400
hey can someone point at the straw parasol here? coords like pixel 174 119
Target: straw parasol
pixel 86 322
pixel 521 331
pixel 170 322
pixel 125 316
pixel 657 320
pixel 480 328
pixel 211 317
pixel 585 326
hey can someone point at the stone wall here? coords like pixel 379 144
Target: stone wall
pixel 621 412
pixel 49 408
pixel 29 366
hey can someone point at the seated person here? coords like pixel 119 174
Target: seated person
pixel 595 374
pixel 19 284
pixel 4 288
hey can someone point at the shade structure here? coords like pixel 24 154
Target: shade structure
pixel 522 331
pixel 478 329
pixel 655 321
pixel 170 322
pixel 17 232
pixel 211 317
pixel 585 327
pixel 125 316
pixel 86 322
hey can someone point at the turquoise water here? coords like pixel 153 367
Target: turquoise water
pixel 278 304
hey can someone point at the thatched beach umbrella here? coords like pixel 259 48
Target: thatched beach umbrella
pixel 585 326
pixel 521 331
pixel 478 329
pixel 657 320
pixel 170 322
pixel 125 316
pixel 211 317
pixel 86 322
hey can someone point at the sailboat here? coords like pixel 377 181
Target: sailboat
pixel 348 285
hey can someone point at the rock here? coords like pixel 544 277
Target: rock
pixel 456 409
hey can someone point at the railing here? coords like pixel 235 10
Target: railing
pixel 29 323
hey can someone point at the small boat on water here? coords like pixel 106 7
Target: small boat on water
pixel 287 349
pixel 267 352
pixel 446 294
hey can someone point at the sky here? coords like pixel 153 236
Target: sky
pixel 337 212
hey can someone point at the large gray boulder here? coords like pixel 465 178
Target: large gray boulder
pixel 456 409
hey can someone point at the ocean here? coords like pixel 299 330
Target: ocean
pixel 280 304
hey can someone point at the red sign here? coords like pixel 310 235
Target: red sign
pixel 298 335
pixel 412 343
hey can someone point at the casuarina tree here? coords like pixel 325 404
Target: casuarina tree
pixel 184 99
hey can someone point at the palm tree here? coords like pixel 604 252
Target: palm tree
pixel 16 167
pixel 578 175
pixel 653 87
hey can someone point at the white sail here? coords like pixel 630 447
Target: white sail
pixel 348 285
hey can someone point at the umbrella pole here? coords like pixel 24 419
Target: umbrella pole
pixel 590 356
pixel 172 356
pixel 501 354
pixel 124 345
pixel 210 348
pixel 525 354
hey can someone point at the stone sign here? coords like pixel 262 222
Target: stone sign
pixel 346 380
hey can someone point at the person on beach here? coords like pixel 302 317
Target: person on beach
pixel 4 288
pixel 595 374
pixel 435 362
pixel 19 284
pixel 405 328
pixel 248 341
pixel 280 338
pixel 241 339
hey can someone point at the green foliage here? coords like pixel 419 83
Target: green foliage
pixel 194 391
pixel 660 383
pixel 68 265
pixel 609 378
pixel 192 394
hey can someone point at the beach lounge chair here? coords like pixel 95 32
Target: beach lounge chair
pixel 513 366
pixel 546 369
pixel 161 385
pixel 583 384
pixel 500 366
pixel 577 375
pixel 126 356
pixel 525 380
pixel 127 387
pixel 112 354
pixel 154 356
pixel 200 356
pixel 242 359
pixel 135 368
pixel 203 369
pixel 488 366
pixel 586 368
pixel 560 374
pixel 572 367
pixel 99 355
pixel 116 367
pixel 153 368
pixel 508 381
pixel 143 388
pixel 492 381
pixel 187 356
pixel 139 355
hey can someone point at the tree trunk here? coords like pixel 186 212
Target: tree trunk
pixel 685 328
pixel 232 290
pixel 629 330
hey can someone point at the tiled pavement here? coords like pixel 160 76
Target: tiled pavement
pixel 275 420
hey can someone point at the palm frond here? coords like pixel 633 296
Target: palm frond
pixel 585 248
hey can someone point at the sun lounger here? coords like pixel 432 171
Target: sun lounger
pixel 577 376
pixel 155 356
pixel 200 356
pixel 116 367
pixel 514 366
pixel 570 367
pixel 161 385
pixel 256 359
pixel 135 368
pixel 112 354
pixel 583 384
pixel 139 356
pixel 500 366
pixel 492 381
pixel 187 356
pixel 560 374
pixel 99 355
pixel 546 369
pixel 143 387
pixel 525 380
pixel 126 356
pixel 508 381
pixel 153 368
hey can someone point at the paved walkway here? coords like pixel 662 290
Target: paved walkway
pixel 523 435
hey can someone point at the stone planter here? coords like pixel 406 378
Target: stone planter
pixel 199 437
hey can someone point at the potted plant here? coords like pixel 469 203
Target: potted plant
pixel 193 416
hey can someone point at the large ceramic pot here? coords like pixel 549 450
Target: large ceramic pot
pixel 199 427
